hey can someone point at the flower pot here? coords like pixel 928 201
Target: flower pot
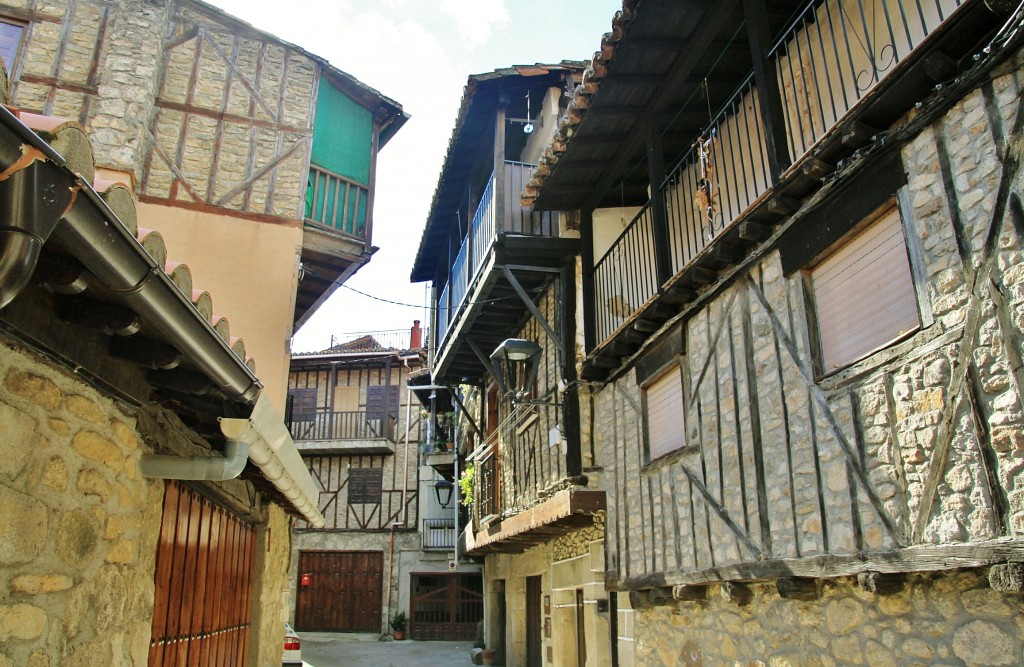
pixel 398 635
pixel 489 655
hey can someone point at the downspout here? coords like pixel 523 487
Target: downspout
pixel 218 468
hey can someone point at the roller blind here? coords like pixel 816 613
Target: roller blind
pixel 666 425
pixel 864 293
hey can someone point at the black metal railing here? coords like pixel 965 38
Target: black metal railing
pixel 828 59
pixel 390 339
pixel 336 202
pixel 626 276
pixel 354 425
pixel 438 534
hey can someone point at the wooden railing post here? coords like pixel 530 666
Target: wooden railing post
pixel 768 95
pixel 659 220
pixel 587 281
pixel 499 165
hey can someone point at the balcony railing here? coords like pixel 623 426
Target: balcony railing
pixel 356 425
pixel 488 482
pixel 438 534
pixel 831 56
pixel 483 231
pixel 336 202
pixel 397 339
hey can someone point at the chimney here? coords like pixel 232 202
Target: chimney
pixel 415 336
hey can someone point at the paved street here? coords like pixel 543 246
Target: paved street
pixel 324 649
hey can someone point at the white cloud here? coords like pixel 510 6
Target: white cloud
pixel 476 19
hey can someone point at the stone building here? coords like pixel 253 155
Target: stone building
pixel 504 285
pixel 387 545
pixel 801 329
pixel 127 124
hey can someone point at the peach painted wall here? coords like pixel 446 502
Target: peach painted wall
pixel 250 269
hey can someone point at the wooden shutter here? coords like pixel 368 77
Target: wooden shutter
pixel 346 399
pixel 666 424
pixel 303 404
pixel 864 293
pixel 381 401
pixel 364 485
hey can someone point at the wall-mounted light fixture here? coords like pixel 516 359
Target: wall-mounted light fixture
pixel 514 364
pixel 443 489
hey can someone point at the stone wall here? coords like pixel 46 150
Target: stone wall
pixel 568 564
pixel 79 523
pixel 950 618
pixel 917 443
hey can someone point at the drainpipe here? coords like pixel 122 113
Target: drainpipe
pixel 219 468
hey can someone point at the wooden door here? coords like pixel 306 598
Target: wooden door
pixel 340 591
pixel 202 600
pixel 533 622
pixel 445 606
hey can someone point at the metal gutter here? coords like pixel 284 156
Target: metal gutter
pixel 41 197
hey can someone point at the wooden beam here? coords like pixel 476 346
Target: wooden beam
pixel 695 50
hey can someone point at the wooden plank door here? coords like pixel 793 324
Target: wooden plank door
pixel 201 607
pixel 533 622
pixel 343 593
pixel 445 607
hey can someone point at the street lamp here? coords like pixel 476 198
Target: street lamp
pixel 443 489
pixel 514 363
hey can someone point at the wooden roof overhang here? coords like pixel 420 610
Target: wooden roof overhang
pixel 566 511
pixel 328 260
pixel 493 310
pixel 469 160
pixel 664 57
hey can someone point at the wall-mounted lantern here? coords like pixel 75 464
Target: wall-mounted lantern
pixel 443 488
pixel 514 364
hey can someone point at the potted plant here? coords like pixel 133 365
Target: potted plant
pixel 398 622
pixel 488 655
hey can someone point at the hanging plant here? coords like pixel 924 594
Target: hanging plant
pixel 466 484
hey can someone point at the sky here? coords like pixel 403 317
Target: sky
pixel 420 55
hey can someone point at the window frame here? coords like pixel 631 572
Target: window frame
pixel 13 72
pixel 673 369
pixel 366 492
pixel 898 203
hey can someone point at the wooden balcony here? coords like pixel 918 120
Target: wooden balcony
pixel 478 300
pixel 343 433
pixel 335 239
pixel 732 115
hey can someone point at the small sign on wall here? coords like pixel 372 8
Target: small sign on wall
pixel 305 579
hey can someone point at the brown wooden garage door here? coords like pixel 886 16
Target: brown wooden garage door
pixel 446 606
pixel 201 609
pixel 340 591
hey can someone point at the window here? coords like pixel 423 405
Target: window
pixel 364 485
pixel 303 404
pixel 664 409
pixel 864 296
pixel 10 40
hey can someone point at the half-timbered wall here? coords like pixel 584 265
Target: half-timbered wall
pixel 399 470
pixel 917 444
pixel 201 109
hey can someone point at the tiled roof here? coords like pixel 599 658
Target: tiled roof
pixel 576 111
pixel 70 139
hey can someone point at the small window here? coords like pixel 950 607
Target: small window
pixel 664 409
pixel 364 485
pixel 10 41
pixel 864 296
pixel 303 404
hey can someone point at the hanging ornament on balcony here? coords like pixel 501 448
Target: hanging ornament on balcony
pixel 706 199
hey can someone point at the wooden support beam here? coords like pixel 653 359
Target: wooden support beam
pixel 881 584
pixel 690 593
pixel 103 316
pixel 736 592
pixel 145 352
pixel 678 294
pixel 783 206
pixel 698 275
pixel 798 588
pixel 816 169
pixel 857 134
pixel 754 231
pixel 1007 577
